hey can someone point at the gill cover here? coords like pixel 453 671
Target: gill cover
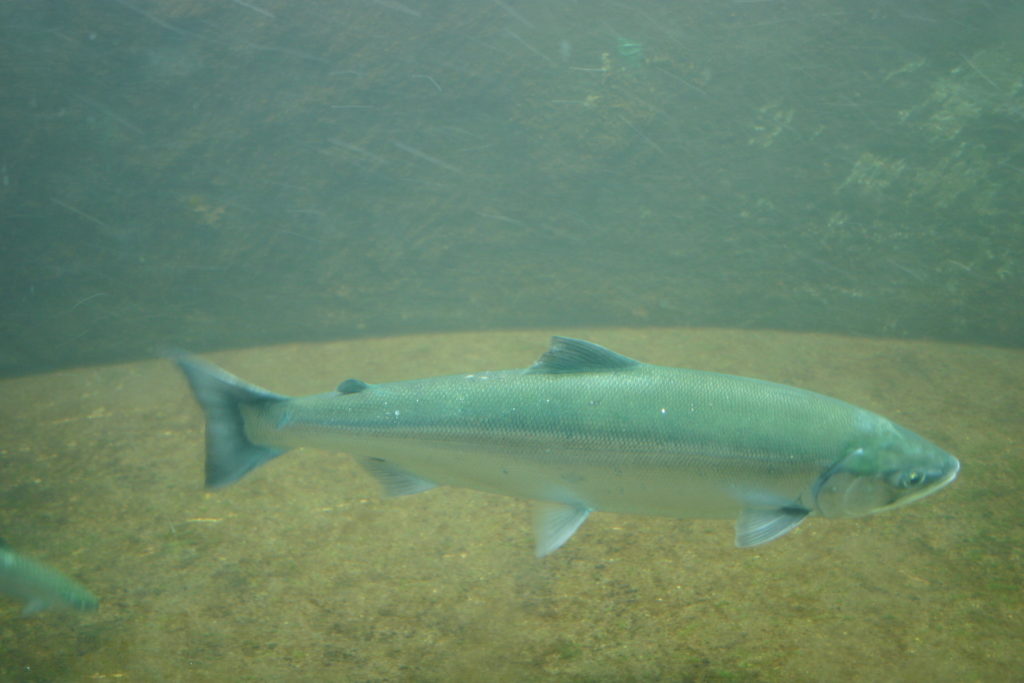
pixel 851 488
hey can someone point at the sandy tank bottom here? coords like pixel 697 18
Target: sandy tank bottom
pixel 303 572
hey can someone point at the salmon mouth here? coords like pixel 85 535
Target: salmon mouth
pixel 949 476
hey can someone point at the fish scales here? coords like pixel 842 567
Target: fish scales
pixel 630 428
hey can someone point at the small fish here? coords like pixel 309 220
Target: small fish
pixel 584 429
pixel 40 586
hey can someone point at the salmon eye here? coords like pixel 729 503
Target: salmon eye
pixel 912 478
pixel 906 479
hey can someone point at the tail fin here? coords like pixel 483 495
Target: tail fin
pixel 229 452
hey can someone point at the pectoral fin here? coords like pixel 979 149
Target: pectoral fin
pixel 554 524
pixel 757 525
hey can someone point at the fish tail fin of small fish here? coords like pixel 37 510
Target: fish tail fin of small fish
pixel 230 454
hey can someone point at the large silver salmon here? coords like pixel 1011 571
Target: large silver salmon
pixel 585 428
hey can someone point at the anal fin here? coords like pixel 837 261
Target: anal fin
pixel 554 524
pixel 393 479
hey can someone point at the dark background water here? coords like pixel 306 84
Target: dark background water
pixel 222 174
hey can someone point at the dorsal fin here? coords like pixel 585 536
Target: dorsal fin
pixel 352 386
pixel 575 355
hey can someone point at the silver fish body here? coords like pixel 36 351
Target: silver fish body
pixel 588 429
pixel 40 586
